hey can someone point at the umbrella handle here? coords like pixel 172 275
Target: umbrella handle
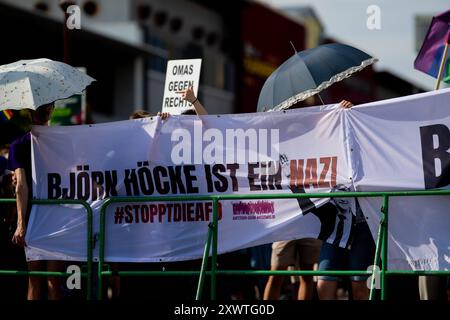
pixel 320 98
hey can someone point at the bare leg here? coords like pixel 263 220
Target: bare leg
pixel 327 289
pixel 306 289
pixel 54 283
pixel 114 283
pixel 273 286
pixel 35 283
pixel 360 290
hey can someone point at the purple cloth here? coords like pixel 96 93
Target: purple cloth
pixel 3 165
pixel 20 156
pixel 429 58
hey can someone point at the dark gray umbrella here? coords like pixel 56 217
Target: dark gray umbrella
pixel 308 72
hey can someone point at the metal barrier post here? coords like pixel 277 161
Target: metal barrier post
pixel 101 252
pixel 215 228
pixel 201 279
pixel 384 246
pixel 377 254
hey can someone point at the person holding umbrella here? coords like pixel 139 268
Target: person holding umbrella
pixel 19 162
pixel 304 75
pixel 35 85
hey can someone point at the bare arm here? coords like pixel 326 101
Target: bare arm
pixel 190 97
pixel 22 205
pixel 199 108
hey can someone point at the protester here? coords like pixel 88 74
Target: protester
pixel 301 253
pixel 20 162
pixel 11 256
pixel 432 287
pixel 139 114
pixel 359 256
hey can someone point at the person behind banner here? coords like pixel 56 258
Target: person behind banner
pixel 139 114
pixel 302 254
pixel 19 162
pixel 240 288
pixel 358 255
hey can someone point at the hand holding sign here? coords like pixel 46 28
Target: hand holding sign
pixel 189 96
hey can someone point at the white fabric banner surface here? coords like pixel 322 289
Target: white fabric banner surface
pixel 396 144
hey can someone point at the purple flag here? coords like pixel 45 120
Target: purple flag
pixel 429 58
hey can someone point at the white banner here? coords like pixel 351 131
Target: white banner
pixel 389 145
pixel 402 144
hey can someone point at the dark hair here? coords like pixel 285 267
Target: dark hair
pixel 140 114
pixel 189 112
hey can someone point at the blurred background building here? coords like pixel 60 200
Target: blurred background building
pixel 125 45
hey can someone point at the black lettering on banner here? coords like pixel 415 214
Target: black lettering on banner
pixel 128 213
pixel 131 183
pixel 69 193
pixel 252 176
pixel 263 175
pixel 111 183
pixel 146 181
pixel 190 212
pixel 199 215
pixel 183 205
pixel 169 212
pixel 176 212
pixel 53 186
pixel 161 187
pixel 432 153
pixel 269 179
pixel 221 186
pixel 233 167
pixel 97 185
pixel 274 180
pixel 161 212
pixel 83 186
pixel 209 182
pixel 153 212
pixel 175 180
pixel 145 214
pixel 190 178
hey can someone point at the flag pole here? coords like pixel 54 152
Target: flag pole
pixel 443 60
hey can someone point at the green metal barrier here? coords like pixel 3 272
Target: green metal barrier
pixel 89 272
pixel 211 242
pixel 381 244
